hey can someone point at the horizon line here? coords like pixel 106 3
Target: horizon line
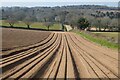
pixel 55 4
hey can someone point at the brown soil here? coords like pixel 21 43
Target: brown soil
pixel 13 38
pixel 61 55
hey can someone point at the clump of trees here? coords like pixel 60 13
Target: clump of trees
pixel 79 17
pixel 103 23
pixel 83 23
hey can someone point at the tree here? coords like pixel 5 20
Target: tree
pixel 83 23
pixel 72 19
pixel 11 20
pixel 60 19
pixel 73 23
pixel 91 20
pixel 114 25
pixel 61 15
pixel 99 22
pixel 19 15
pixel 105 22
pixel 48 24
pixel 119 22
pixel 29 20
pixel 57 19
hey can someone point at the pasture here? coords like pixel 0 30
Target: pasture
pixel 109 36
pixel 38 25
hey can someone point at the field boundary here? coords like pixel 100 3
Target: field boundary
pixel 99 41
pixel 28 28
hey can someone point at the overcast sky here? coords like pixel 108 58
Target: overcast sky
pixel 34 3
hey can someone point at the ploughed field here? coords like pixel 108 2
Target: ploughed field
pixel 39 54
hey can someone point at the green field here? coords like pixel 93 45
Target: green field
pixel 107 34
pixel 33 25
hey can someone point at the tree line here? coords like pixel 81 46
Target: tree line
pixel 80 17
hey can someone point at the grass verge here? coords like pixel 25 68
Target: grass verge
pixel 100 41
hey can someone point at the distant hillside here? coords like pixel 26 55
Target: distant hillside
pixel 95 14
pixel 40 13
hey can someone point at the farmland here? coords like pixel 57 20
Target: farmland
pixel 13 38
pixel 59 42
pixel 55 55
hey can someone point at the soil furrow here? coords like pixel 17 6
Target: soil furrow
pixel 22 59
pixel 45 68
pixel 60 55
pixel 83 66
pixel 54 62
pixel 28 48
pixel 101 59
pixel 18 50
pixel 17 68
pixel 25 72
pixel 96 48
pixel 71 73
pixel 56 67
pixel 98 63
pixel 63 67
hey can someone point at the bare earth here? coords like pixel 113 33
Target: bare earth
pixel 60 55
pixel 13 38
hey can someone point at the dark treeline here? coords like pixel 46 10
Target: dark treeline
pixel 80 16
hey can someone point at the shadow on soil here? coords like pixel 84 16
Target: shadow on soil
pixel 28 28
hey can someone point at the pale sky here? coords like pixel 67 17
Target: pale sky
pixel 59 0
pixel 33 3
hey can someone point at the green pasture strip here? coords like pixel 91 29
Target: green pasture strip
pixel 107 34
pixel 100 41
pixel 33 25
pixel 56 27
pixel 38 25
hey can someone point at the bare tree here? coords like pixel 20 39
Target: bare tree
pixel 11 20
pixel 28 21
pixel 48 24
